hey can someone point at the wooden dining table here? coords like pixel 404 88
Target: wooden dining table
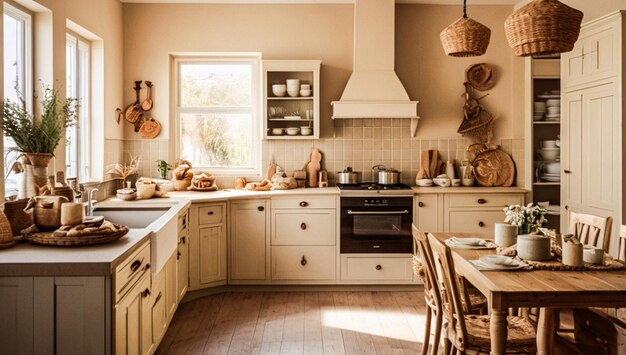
pixel 547 290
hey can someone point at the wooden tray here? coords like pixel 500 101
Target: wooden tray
pixel 46 238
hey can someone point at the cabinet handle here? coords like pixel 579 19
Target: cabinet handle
pixel 158 297
pixel 303 261
pixel 421 204
pixel 481 224
pixel 481 201
pixel 303 226
pixel 567 171
pixel 303 203
pixel 135 265
pixel 145 293
pixel 210 213
pixel 184 239
pixel 378 267
pixel 566 207
pixel 261 208
pixel 178 255
pixel 147 266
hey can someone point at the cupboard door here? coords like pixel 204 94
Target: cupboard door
pixel 571 152
pixel 131 338
pixel 476 221
pixel 248 240
pixel 313 227
pixel 427 213
pixel 601 136
pixel 303 262
pixel 17 310
pixel 212 254
pixel 182 267
pixel 171 287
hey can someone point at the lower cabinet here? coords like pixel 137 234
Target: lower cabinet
pixel 133 324
pixel 249 224
pixel 383 269
pixel 182 266
pixel 207 245
pixel 303 262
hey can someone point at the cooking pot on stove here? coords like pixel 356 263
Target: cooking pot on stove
pixel 347 176
pixel 385 176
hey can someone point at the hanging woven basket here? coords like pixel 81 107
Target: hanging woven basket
pixel 465 37
pixel 543 28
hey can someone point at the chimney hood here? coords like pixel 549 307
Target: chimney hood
pixel 374 90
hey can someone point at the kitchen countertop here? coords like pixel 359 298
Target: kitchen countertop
pixel 467 190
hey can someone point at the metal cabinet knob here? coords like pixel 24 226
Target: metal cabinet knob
pixel 566 207
pixel 145 293
pixel 378 267
pixel 567 171
pixel 303 203
pixel 481 224
pixel 420 204
pixel 261 208
pixel 481 201
pixel 303 226
pixel 178 254
pixel 303 261
pixel 210 213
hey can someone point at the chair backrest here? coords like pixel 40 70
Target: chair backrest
pixel 591 230
pixel 453 312
pixel 621 250
pixel 431 282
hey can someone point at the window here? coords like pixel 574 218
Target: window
pixel 217 113
pixel 77 162
pixel 17 78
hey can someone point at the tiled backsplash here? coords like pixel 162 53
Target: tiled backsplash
pixel 359 143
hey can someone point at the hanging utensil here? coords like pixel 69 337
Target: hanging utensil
pixel 150 128
pixel 134 111
pixel 146 105
pixel 118 115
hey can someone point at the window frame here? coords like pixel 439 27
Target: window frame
pixel 82 86
pixel 254 59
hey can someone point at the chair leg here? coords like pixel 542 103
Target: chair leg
pixel 447 347
pixel 426 331
pixel 437 336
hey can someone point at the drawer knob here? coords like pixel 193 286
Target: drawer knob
pixel 145 293
pixel 421 204
pixel 261 208
pixel 303 203
pixel 184 239
pixel 481 201
pixel 135 265
pixel 566 207
pixel 178 254
pixel 303 226
pixel 210 213
pixel 147 266
pixel 481 224
pixel 567 171
pixel 378 267
pixel 303 261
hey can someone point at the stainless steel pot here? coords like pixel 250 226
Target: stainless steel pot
pixel 387 177
pixel 347 176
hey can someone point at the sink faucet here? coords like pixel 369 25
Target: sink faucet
pixel 90 201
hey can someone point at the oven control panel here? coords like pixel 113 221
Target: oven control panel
pixel 375 202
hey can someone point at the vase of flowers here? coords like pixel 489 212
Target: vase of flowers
pixel 528 219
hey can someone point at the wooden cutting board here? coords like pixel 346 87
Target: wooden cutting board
pixel 494 167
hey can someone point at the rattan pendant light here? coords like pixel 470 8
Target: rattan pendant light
pixel 465 37
pixel 543 28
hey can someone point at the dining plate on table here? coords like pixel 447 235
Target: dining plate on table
pixel 469 243
pixel 498 263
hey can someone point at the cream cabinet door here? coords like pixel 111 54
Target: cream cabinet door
pixel 311 227
pixel 303 262
pixel 171 286
pixel 212 248
pixel 182 267
pixel 426 216
pixel 133 333
pixel 17 310
pixel 248 230
pixel 474 221
pixel 571 153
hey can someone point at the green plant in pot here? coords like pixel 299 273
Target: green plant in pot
pixel 38 137
pixel 163 168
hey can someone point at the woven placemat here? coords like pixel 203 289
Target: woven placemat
pixel 555 264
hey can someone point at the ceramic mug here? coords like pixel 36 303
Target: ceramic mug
pixel 505 234
pixel 572 254
pixel 593 255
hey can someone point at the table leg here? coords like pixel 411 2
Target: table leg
pixel 498 330
pixel 545 331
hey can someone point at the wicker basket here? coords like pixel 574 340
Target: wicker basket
pixel 543 28
pixel 465 38
pixel 39 159
pixel 47 238
pixel 19 219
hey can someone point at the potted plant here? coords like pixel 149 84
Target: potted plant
pixel 163 168
pixel 38 137
pixel 528 219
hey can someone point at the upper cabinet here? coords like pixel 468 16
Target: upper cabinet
pixel 291 99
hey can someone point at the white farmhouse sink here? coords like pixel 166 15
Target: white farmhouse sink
pixel 162 221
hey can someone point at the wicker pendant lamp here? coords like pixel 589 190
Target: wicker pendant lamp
pixel 465 37
pixel 543 28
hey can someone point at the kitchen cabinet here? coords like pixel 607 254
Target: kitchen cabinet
pixel 304 239
pixel 133 330
pixel 207 245
pixel 249 228
pixel 281 112
pixel 182 263
pixel 463 209
pixel 593 114
pixel 17 309
pixel 379 269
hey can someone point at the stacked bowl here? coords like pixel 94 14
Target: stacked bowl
pixel 551 167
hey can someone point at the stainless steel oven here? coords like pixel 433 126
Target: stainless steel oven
pixel 376 224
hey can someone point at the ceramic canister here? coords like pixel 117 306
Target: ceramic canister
pixel 505 234
pixel 593 255
pixel 533 247
pixel 572 254
pixel 72 213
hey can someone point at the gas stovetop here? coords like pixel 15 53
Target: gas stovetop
pixel 372 188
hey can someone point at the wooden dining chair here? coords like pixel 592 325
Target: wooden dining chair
pixel 591 230
pixel 470 334
pixel 432 295
pixel 621 248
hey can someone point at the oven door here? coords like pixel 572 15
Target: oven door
pixel 376 229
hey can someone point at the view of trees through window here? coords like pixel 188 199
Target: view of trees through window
pixel 216 113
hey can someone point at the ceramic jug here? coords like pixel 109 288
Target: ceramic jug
pixel 46 211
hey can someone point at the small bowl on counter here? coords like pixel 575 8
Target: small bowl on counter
pixel 424 182
pixel 292 131
pixel 126 194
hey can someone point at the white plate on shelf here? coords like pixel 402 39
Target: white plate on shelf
pixel 550 179
pixel 549 96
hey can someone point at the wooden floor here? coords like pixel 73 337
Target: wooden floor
pixel 298 323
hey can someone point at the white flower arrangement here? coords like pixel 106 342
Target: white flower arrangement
pixel 527 218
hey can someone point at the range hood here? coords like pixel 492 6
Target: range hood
pixel 374 90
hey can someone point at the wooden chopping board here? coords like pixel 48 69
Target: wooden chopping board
pixel 494 167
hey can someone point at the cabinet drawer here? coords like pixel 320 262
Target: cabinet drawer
pixel 303 262
pixel 295 227
pixel 130 270
pixel 480 222
pixel 213 214
pixel 303 202
pixel 484 200
pixel 356 268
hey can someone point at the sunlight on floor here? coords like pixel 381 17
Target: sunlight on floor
pixel 377 323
